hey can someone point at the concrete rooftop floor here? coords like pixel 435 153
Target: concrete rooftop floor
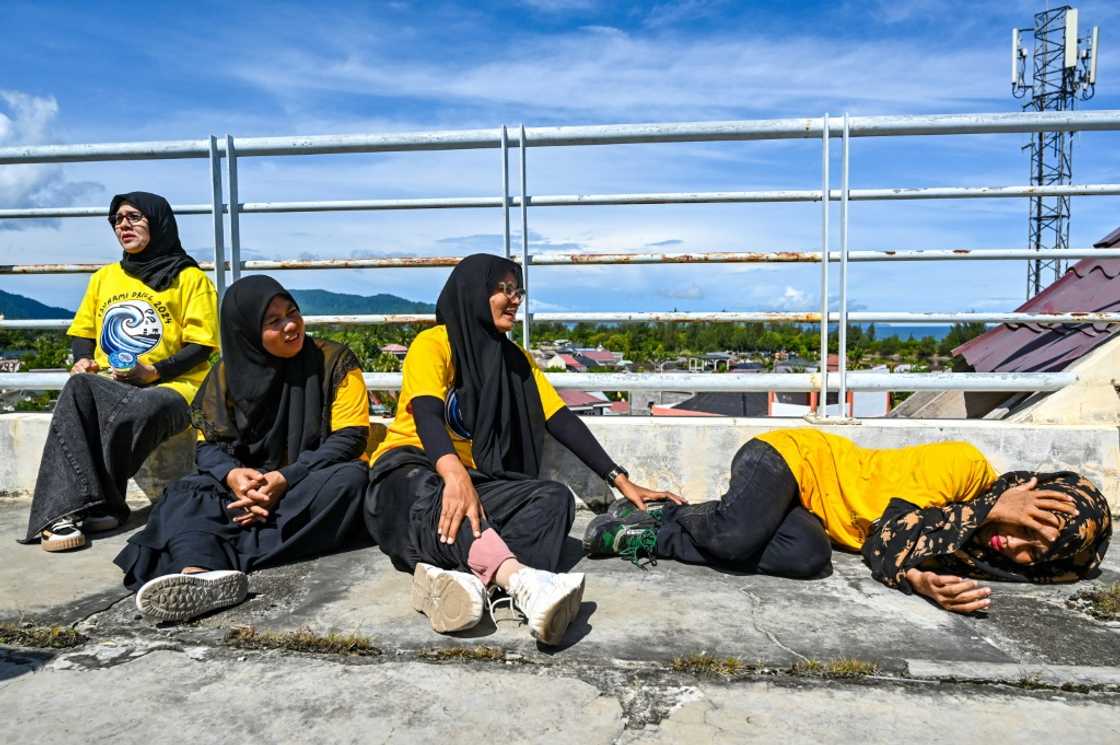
pixel 1029 667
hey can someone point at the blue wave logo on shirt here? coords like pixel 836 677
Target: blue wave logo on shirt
pixel 453 416
pixel 132 327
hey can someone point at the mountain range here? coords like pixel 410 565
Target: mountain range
pixel 311 302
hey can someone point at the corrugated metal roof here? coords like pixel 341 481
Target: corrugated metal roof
pixel 755 403
pixel 1088 286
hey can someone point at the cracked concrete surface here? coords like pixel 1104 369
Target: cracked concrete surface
pixel 1031 661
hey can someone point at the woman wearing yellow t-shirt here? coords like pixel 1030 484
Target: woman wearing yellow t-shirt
pixel 466 443
pixel 283 423
pixel 921 515
pixel 147 324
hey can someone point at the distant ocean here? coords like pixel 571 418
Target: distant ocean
pixel 883 330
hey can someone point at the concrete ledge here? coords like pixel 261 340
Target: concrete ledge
pixel 689 456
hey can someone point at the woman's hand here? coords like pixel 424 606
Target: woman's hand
pixel 142 374
pixel 259 501
pixel 84 365
pixel 460 499
pixel 1032 509
pixel 951 593
pixel 241 481
pixel 639 495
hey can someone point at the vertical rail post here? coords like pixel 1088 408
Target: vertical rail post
pixel 216 207
pixel 234 211
pixel 842 368
pixel 524 241
pixel 505 190
pixel 822 402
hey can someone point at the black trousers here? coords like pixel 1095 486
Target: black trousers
pixel 759 525
pixel 190 525
pixel 101 432
pixel 405 499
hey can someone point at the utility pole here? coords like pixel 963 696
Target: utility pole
pixel 1064 69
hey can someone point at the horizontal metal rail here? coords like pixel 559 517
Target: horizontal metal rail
pixel 730 382
pixel 608 134
pixel 587 259
pixel 599 200
pixel 686 317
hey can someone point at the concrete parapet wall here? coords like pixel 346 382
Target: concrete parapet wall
pixel 689 456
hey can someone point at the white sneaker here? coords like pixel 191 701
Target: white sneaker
pixel 181 597
pixel 62 535
pixel 549 601
pixel 452 601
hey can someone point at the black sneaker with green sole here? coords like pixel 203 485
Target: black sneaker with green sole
pixel 624 509
pixel 607 535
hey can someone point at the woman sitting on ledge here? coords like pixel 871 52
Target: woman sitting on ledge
pixel 466 443
pixel 283 423
pixel 148 324
pixel 925 517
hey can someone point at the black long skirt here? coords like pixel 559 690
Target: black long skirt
pixel 190 526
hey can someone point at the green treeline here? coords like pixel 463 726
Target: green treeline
pixel 643 344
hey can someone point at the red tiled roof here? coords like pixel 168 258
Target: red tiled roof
pixel 672 411
pixel 580 398
pixel 603 356
pixel 620 407
pixel 571 361
pixel 1088 286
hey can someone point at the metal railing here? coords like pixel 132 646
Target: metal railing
pixel 231 149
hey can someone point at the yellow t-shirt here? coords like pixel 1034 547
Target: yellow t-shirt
pixel 350 407
pixel 848 487
pixel 124 314
pixel 430 371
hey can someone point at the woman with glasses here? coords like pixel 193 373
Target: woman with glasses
pixel 455 495
pixel 283 422
pixel 141 342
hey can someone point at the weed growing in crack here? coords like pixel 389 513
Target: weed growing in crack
pixel 302 640
pixel 706 665
pixel 1103 604
pixel 481 653
pixel 845 667
pixel 49 637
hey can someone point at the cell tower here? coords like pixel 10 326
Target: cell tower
pixel 1064 70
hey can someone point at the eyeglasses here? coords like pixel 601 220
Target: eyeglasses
pixel 511 290
pixel 132 217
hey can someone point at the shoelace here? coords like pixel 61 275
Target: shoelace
pixel 645 542
pixel 495 596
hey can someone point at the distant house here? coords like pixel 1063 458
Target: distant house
pixel 1089 285
pixel 571 364
pixel 598 357
pixel 748 367
pixel 8 365
pixel 585 402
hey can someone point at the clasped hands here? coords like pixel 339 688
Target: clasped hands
pixel 256 494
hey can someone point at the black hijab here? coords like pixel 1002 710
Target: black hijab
pixel 263 409
pixel 498 398
pixel 160 262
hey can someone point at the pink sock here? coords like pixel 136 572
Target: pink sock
pixel 487 554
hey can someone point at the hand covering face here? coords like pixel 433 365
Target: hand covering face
pixel 940 538
pixel 497 397
pixel 266 410
pixel 163 258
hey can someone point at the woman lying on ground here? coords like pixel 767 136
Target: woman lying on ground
pixel 148 324
pixel 283 423
pixel 467 443
pixel 923 516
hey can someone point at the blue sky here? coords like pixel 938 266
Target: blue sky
pixel 102 72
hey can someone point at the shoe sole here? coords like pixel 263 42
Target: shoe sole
pixel 550 628
pixel 181 597
pixel 62 544
pixel 446 603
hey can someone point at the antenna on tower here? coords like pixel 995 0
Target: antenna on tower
pixel 1064 70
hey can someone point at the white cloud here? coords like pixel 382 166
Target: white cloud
pixel 27 121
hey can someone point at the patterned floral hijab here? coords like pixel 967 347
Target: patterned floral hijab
pixel 940 538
